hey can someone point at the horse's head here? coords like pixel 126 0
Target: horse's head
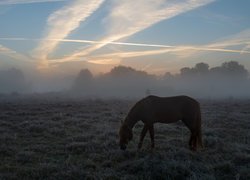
pixel 126 135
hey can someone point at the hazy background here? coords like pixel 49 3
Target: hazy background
pixel 228 80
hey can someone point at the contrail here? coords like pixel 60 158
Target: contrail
pixel 17 39
pixel 128 17
pixel 107 58
pixel 166 48
pixel 13 54
pixel 62 22
pixel 209 47
pixel 88 41
pixel 9 2
pixel 241 38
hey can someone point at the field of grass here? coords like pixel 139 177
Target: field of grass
pixel 56 138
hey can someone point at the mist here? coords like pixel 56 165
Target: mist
pixel 13 81
pixel 229 80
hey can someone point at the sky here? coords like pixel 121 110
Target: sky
pixel 157 36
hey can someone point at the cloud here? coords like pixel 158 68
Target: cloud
pixel 236 43
pixel 105 61
pixel 128 17
pixel 13 54
pixel 241 38
pixel 10 2
pixel 114 58
pixel 227 45
pixel 62 22
pixel 217 46
pixel 177 50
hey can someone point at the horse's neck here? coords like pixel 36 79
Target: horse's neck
pixel 130 121
pixel 132 117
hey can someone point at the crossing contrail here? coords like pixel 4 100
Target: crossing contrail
pixel 133 21
pixel 174 48
pixel 109 58
pixel 62 22
pixel 10 2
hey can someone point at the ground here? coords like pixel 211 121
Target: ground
pixel 68 138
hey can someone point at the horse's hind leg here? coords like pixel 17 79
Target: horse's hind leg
pixel 143 133
pixel 152 135
pixel 193 141
pixel 199 137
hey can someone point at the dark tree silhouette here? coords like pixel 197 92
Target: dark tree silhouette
pixel 201 68
pixel 215 70
pixel 84 76
pixel 13 80
pixel 168 76
pixel 186 71
pixel 83 81
pixel 233 68
pixel 123 71
pixel 199 80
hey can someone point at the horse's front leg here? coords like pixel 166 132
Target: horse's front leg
pixel 152 134
pixel 143 133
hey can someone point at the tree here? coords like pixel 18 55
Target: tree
pixel 13 80
pixel 168 76
pixel 84 76
pixel 201 68
pixel 233 68
pixel 123 71
pixel 230 69
pixel 83 80
pixel 186 71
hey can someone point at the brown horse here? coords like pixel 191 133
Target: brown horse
pixel 154 109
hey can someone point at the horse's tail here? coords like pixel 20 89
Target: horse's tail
pixel 199 133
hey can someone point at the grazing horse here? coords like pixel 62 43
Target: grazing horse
pixel 153 109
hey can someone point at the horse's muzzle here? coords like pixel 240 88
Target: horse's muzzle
pixel 123 147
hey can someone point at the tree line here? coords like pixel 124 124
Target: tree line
pixel 228 79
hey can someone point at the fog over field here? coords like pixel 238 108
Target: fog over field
pixel 230 79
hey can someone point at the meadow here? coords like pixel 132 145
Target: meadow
pixel 49 137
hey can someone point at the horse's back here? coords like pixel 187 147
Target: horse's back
pixel 170 102
pixel 169 109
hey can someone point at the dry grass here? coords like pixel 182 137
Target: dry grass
pixel 54 138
